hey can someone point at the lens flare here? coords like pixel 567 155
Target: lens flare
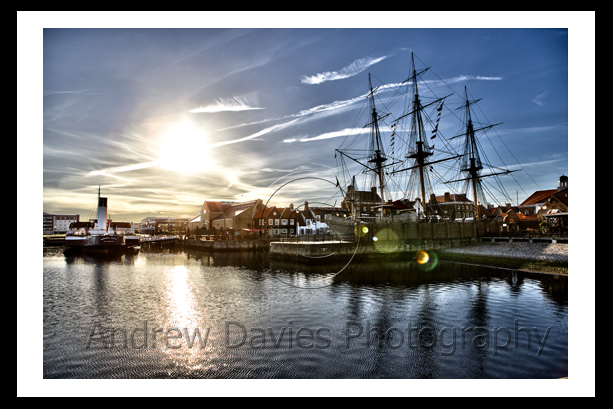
pixel 426 261
pixel 364 229
pixel 422 257
pixel 387 241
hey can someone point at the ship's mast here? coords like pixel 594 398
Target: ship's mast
pixel 475 165
pixel 378 157
pixel 376 154
pixel 472 164
pixel 422 150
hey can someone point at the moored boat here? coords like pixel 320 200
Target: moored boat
pixel 101 235
pixel 398 172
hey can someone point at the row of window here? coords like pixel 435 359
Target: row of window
pixel 276 222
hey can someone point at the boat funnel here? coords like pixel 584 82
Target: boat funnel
pixel 102 210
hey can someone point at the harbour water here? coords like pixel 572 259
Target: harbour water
pixel 170 313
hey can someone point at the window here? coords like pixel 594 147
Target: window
pixel 276 232
pixel 284 222
pixel 291 222
pixel 270 222
pixel 276 222
pixel 284 231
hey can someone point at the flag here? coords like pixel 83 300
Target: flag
pixel 433 136
pixel 393 125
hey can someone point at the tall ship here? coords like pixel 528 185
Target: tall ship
pixel 101 235
pixel 389 179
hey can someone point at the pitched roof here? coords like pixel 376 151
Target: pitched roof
pixel 216 206
pixel 398 204
pixel 236 209
pixel 263 213
pixel 364 196
pixel 454 198
pixel 195 220
pixel 538 197
pixel 484 210
pixel 283 213
pixel 562 195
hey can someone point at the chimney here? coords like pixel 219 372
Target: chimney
pixel 373 190
pixel 432 198
pixel 349 189
pixel 447 197
pixel 291 206
pixel 306 207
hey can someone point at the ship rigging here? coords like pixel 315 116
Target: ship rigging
pixel 402 166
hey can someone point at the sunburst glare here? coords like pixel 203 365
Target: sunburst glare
pixel 183 148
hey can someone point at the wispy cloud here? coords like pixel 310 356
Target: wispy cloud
pixel 270 129
pixel 127 168
pixel 352 69
pixel 538 100
pixel 462 78
pixel 300 117
pixel 331 108
pixel 45 93
pixel 235 103
pixel 327 135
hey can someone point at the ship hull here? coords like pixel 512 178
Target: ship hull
pixel 346 228
pixel 96 244
pixel 343 228
pixel 105 244
pixel 75 241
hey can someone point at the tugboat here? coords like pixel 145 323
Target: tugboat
pixel 101 235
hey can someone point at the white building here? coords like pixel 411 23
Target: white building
pixel 58 223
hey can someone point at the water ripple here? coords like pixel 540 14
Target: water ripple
pixel 380 321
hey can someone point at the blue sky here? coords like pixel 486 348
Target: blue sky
pixel 165 118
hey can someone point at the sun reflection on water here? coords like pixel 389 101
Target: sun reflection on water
pixel 183 319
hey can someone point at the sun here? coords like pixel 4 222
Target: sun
pixel 183 148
